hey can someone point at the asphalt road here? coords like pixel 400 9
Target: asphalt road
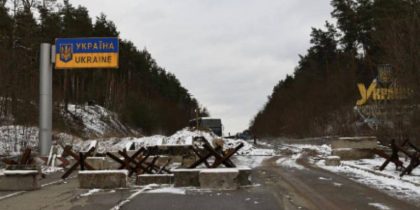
pixel 317 189
pixel 275 188
pixel 283 189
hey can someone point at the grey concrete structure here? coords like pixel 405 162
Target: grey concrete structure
pixel 188 160
pixel 186 177
pixel 163 160
pixel 369 142
pixel 353 154
pixel 111 164
pixel 98 163
pixel 244 177
pixel 146 179
pixel 191 177
pixel 219 179
pixel 333 161
pixel 19 180
pixel 103 179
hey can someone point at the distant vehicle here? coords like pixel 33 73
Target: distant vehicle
pixel 214 124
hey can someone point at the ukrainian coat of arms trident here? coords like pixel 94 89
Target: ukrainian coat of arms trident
pixel 66 52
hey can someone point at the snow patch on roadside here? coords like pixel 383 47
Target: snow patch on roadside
pixel 169 190
pixel 392 186
pixel 323 150
pixel 373 165
pixel 290 162
pixel 357 170
pixel 249 161
pixel 379 206
pixel 90 192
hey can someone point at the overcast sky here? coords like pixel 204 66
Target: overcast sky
pixel 228 53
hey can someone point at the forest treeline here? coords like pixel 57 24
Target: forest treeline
pixel 145 95
pixel 319 98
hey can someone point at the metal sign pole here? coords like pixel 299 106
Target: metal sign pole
pixel 45 99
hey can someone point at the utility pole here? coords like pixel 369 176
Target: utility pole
pixel 45 98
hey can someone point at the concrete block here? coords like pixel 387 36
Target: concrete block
pixel 353 154
pixel 367 142
pixel 146 179
pixel 111 164
pixel 186 177
pixel 244 177
pixel 103 179
pixel 332 161
pixel 19 180
pixel 162 160
pixel 98 163
pixel 188 160
pixel 219 179
pixel 177 159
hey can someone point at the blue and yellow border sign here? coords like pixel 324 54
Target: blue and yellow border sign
pixel 74 53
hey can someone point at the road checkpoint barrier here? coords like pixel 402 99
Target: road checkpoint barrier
pixel 354 148
pixel 20 177
pixel 219 179
pixel 332 161
pixel 394 157
pixel 221 157
pixel 20 180
pixel 21 174
pixel 146 179
pixel 80 161
pixel 140 162
pixel 214 178
pixel 103 179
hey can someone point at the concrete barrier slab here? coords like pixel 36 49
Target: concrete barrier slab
pixel 188 160
pixel 19 180
pixel 103 179
pixel 244 177
pixel 146 179
pixel 219 179
pixel 332 161
pixel 111 164
pixel 364 142
pixel 353 154
pixel 186 177
pixel 98 163
pixel 162 160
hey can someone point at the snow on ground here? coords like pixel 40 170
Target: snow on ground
pixel 379 206
pixel 363 171
pixel 51 169
pixel 29 135
pixel 93 120
pixel 248 161
pixel 374 164
pixel 90 192
pixel 290 162
pixel 393 186
pixel 248 149
pixel 97 120
pixel 323 150
pixel 169 190
pixel 185 137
